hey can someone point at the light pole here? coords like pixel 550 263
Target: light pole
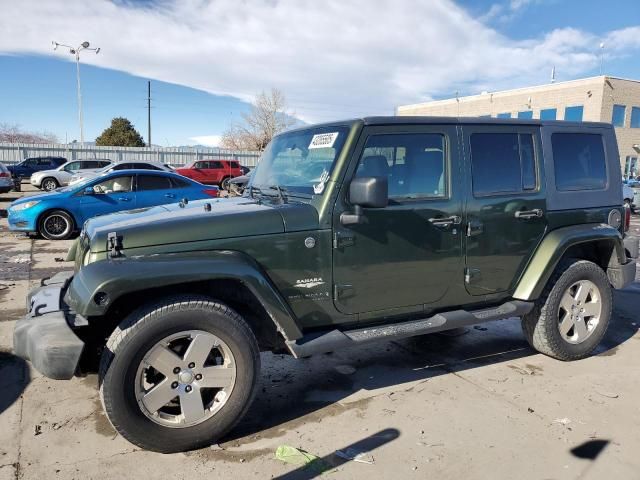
pixel 76 52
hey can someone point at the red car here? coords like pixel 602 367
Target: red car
pixel 212 172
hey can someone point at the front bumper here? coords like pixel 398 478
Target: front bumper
pixel 18 221
pixel 44 335
pixel 622 275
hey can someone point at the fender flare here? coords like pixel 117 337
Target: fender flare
pixel 554 246
pixel 117 277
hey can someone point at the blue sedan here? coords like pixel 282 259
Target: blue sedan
pixel 57 215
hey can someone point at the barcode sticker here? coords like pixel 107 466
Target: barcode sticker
pixel 323 140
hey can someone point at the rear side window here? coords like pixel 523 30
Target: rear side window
pixel 503 163
pixel 153 182
pixel 579 161
pixel 179 183
pixel 215 164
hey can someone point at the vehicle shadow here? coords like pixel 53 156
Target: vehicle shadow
pixel 14 378
pixel 299 391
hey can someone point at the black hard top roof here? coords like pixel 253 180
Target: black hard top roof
pixel 425 120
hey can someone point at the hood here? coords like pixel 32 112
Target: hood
pixel 39 197
pixel 171 224
pixel 42 173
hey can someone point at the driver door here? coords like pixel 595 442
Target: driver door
pixel 117 194
pixel 407 255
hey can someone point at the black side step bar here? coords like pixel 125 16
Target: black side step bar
pixel 335 339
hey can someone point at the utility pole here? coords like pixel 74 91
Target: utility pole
pixel 148 113
pixel 76 52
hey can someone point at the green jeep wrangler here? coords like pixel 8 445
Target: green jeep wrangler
pixel 349 233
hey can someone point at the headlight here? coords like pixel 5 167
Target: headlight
pixel 25 205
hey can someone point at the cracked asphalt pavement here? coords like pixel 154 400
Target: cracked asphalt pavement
pixel 477 403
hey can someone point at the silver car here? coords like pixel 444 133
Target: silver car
pixel 136 165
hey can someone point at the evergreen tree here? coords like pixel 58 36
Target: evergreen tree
pixel 121 133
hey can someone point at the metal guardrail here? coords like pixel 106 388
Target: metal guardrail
pixel 16 152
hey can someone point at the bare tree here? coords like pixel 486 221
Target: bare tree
pixel 267 117
pixel 12 133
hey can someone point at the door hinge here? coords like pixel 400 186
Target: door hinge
pixel 341 291
pixel 341 240
pixel 471 275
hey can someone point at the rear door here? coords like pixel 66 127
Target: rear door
pixel 408 254
pixel 45 163
pixel 506 208
pixel 154 190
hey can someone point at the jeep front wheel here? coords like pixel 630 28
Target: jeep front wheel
pixel 572 314
pixel 178 375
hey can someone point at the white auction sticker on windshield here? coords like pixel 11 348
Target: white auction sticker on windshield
pixel 323 140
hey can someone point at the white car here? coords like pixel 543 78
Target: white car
pixel 628 195
pixel 138 165
pixel 49 180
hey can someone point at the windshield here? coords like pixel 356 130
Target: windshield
pixel 300 161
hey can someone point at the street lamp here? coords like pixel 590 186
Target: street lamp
pixel 76 52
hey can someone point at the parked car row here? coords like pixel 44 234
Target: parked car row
pixel 49 173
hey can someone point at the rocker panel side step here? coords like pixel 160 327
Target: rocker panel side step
pixel 335 339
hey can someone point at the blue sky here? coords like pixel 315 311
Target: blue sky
pixel 206 59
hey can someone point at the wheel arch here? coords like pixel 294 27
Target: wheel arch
pixel 230 291
pixel 598 243
pixel 229 277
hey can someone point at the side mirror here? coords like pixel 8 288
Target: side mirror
pixel 89 191
pixel 365 192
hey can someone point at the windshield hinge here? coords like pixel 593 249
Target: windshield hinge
pixel 114 244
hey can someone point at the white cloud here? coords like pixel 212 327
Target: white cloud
pixel 332 59
pixel 207 140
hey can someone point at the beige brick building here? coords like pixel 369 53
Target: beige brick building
pixel 598 99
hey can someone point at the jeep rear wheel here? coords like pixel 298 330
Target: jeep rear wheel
pixel 178 375
pixel 572 314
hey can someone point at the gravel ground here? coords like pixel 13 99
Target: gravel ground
pixel 480 404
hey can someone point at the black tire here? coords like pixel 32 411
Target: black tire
pixel 139 333
pixel 224 184
pixel 49 184
pixel 541 325
pixel 56 225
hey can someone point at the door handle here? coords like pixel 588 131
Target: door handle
pixel 527 214
pixel 169 195
pixel 445 221
pixel 124 199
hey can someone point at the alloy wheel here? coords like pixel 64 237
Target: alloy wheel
pixel 579 311
pixel 50 185
pixel 185 379
pixel 56 226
